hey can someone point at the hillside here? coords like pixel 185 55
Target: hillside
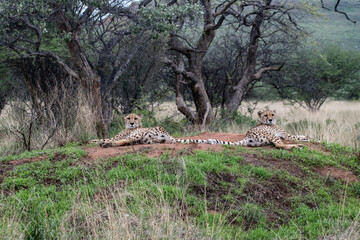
pixel 181 191
pixel 333 28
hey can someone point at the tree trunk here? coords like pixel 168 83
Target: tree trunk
pixel 89 80
pixel 90 84
pixel 194 81
pixel 201 101
pixel 248 76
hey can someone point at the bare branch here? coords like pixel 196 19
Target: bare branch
pixel 224 8
pixel 129 57
pixel 85 16
pixel 261 71
pixel 52 55
pixel 337 10
pixel 205 117
pixel 323 5
pixel 344 13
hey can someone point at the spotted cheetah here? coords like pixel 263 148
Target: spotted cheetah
pixel 136 134
pixel 266 132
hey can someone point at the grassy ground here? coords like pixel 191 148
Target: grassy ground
pixel 239 193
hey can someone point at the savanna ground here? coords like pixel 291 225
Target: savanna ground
pixel 173 191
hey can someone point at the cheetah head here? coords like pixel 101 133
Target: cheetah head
pixel 133 120
pixel 267 116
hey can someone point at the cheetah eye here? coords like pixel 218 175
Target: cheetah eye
pixel 273 114
pixel 265 115
pixel 128 118
pixel 136 119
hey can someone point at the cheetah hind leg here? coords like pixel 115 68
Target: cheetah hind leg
pixel 280 144
pixel 119 143
pixel 289 146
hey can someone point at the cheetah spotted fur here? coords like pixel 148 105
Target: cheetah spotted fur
pixel 265 133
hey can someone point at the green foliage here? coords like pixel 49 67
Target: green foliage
pixel 313 75
pixel 162 19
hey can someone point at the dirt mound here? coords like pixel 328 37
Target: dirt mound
pixel 156 150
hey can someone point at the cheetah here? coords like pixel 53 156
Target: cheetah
pixel 136 134
pixel 265 133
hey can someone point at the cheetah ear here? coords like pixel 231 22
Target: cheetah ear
pixel 274 111
pixel 141 116
pixel 259 113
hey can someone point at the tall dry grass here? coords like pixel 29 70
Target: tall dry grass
pixel 20 125
pixel 108 216
pixel 336 122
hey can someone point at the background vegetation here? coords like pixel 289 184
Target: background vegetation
pixel 70 70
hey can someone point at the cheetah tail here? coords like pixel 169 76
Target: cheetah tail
pixel 238 143
pixel 179 140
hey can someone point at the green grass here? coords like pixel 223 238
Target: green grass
pixel 69 149
pixel 233 194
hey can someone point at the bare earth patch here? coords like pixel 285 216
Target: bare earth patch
pixel 343 175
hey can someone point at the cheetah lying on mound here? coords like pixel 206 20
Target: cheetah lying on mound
pixel 266 132
pixel 136 134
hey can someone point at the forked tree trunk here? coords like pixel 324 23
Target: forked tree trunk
pixel 250 74
pixel 193 79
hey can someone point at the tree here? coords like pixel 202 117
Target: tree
pixel 242 16
pixel 312 77
pixel 266 20
pixel 26 28
pixel 191 73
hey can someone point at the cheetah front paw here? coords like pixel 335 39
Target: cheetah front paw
pixel 105 144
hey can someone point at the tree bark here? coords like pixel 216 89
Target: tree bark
pixel 89 80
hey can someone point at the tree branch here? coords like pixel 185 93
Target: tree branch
pixel 259 73
pixel 179 70
pixel 341 12
pixel 129 57
pixel 205 116
pixel 37 31
pixel 224 8
pixel 336 10
pixel 177 46
pixel 180 103
pixel 85 16
pixel 52 55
